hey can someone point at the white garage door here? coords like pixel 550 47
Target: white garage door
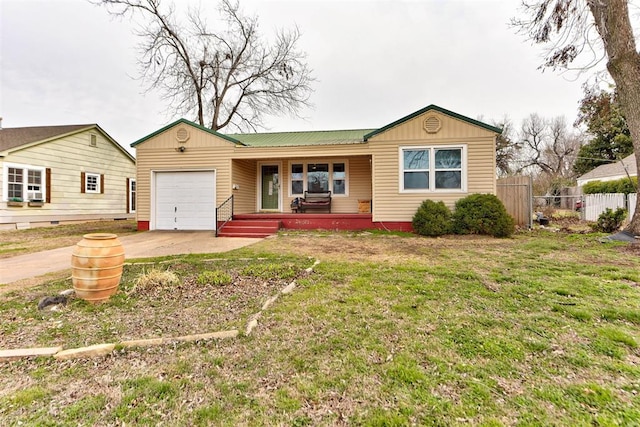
pixel 185 200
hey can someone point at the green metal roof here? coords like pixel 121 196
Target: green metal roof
pixel 436 108
pixel 297 139
pixel 310 138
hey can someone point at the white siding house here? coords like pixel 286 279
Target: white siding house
pixel 56 174
pixel 611 172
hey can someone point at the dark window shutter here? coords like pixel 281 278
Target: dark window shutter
pixel 128 194
pixel 47 185
pixel 102 183
pixel 82 183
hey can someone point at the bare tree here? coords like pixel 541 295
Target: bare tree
pixel 228 76
pixel 548 150
pixel 506 151
pixel 575 27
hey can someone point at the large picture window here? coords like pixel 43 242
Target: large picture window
pixel 432 169
pixel 318 177
pixel 24 182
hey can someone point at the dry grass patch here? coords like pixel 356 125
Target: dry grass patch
pixel 419 331
pixel 20 242
pixel 167 300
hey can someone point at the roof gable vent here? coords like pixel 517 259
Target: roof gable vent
pixel 432 124
pixel 93 140
pixel 182 134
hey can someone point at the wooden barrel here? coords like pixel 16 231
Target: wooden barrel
pixel 96 264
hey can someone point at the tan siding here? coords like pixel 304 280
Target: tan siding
pixel 451 129
pixel 203 151
pixel 373 171
pixel 481 167
pixel 197 139
pixel 278 153
pixel 244 175
pixel 152 159
pixel 360 181
pixel 392 205
pixel 67 158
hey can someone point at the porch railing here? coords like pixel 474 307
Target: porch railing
pixel 224 213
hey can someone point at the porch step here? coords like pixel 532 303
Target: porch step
pixel 250 228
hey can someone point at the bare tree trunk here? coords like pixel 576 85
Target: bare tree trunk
pixel 613 24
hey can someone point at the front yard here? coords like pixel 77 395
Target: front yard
pixel 541 329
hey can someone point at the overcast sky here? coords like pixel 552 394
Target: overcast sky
pixel 69 62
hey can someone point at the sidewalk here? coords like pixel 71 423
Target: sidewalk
pixel 146 244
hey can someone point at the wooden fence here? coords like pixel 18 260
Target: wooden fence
pixel 516 195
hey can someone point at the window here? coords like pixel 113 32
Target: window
pixel 24 182
pixel 16 183
pixel 131 195
pixel 339 178
pixel 34 185
pixel 416 169
pixel 448 168
pixel 432 169
pixel 91 182
pixel 318 177
pixel 297 179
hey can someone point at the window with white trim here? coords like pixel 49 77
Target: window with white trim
pixel 318 177
pixel 16 183
pixel 92 182
pixel 132 195
pixel 426 169
pixel 23 182
pixel 34 184
pixel 297 178
pixel 339 178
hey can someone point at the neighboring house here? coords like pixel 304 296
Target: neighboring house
pixel 611 171
pixel 54 174
pixel 186 171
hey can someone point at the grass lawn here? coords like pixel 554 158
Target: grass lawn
pixel 388 330
pixel 19 242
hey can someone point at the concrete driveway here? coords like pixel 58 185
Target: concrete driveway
pixel 140 245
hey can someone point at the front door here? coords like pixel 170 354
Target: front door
pixel 270 187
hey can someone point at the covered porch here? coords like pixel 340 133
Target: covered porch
pixel 262 224
pixel 269 186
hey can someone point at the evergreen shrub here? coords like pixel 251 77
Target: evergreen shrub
pixel 623 185
pixel 610 221
pixel 432 219
pixel 482 214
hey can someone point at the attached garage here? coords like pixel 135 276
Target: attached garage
pixel 184 200
pixel 430 154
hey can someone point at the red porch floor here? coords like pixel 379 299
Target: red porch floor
pixel 314 221
pixel 258 223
